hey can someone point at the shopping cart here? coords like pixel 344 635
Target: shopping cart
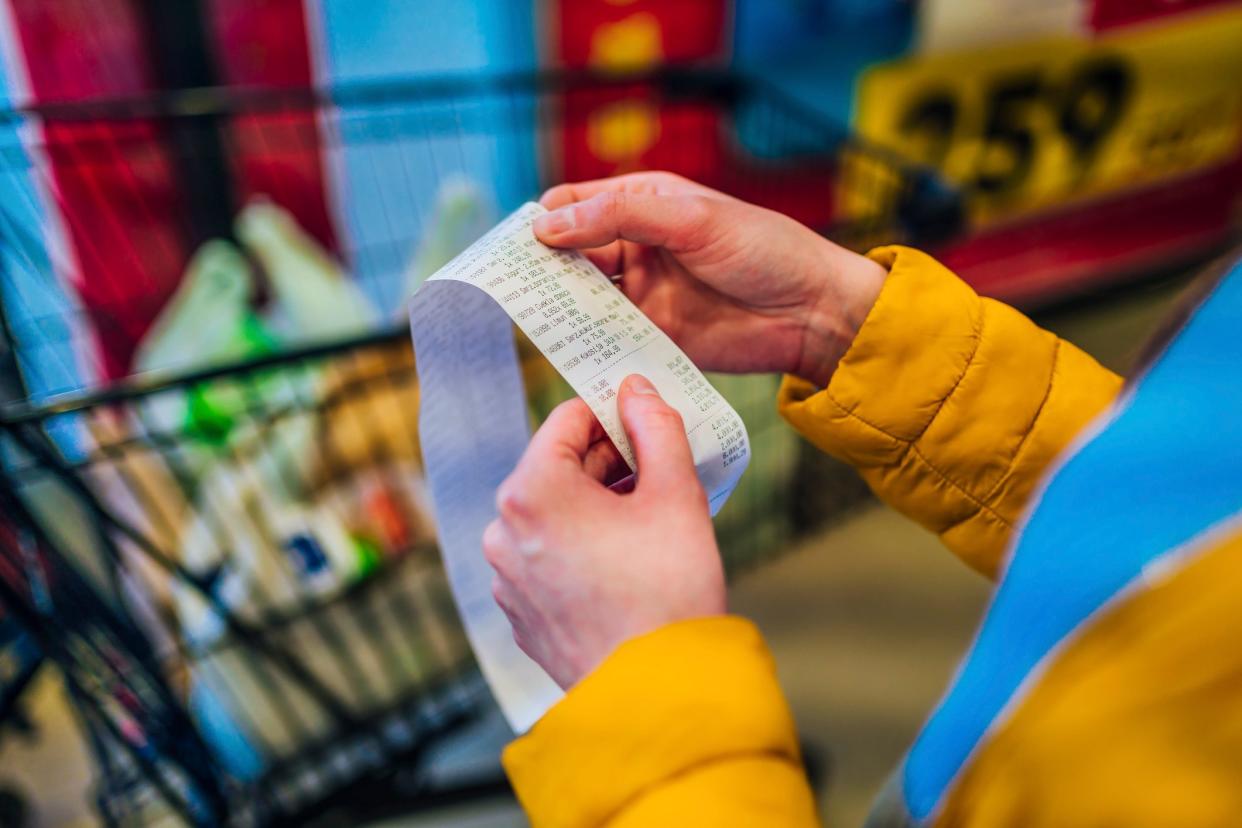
pixel 236 569
pixel 20 660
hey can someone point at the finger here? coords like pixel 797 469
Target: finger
pixel 521 638
pixel 610 258
pixel 553 458
pixel 563 194
pixel 677 222
pixel 651 181
pixel 499 548
pixel 566 435
pixel 604 463
pixel 658 435
pixel 507 599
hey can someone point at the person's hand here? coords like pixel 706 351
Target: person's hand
pixel 580 568
pixel 738 287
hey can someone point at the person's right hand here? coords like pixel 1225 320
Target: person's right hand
pixel 740 288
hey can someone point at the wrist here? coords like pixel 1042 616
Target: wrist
pixel 848 288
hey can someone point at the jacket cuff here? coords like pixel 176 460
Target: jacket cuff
pixel 662 704
pixel 917 340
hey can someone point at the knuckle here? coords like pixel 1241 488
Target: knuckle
pixel 494 547
pixel 670 179
pixel 512 500
pixel 613 204
pixel 521 640
pixel 697 210
pixel 571 408
pixel 666 416
pixel 500 594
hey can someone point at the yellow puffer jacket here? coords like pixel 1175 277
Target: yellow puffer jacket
pixel 952 407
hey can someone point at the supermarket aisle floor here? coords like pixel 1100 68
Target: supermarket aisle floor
pixel 866 622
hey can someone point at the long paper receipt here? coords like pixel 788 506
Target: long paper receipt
pixel 473 420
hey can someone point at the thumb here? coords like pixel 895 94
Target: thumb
pixel 676 222
pixel 658 436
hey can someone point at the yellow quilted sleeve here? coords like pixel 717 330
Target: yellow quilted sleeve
pixel 685 726
pixel 951 406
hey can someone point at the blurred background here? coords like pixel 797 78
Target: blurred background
pixel 220 600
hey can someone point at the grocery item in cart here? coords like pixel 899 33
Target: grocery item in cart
pixel 314 299
pixel 277 564
pixel 462 213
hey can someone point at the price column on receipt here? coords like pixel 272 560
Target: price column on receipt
pixel 473 421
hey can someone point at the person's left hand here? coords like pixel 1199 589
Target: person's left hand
pixel 580 568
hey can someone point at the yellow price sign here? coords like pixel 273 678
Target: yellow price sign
pixel 1037 125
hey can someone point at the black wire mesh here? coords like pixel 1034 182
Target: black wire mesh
pixel 298 686
pixel 20 659
pixel 398 143
pixel 243 547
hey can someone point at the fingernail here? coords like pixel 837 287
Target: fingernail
pixel 641 385
pixel 555 222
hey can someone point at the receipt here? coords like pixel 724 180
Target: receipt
pixel 473 422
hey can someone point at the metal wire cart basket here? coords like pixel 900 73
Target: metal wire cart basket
pixel 214 519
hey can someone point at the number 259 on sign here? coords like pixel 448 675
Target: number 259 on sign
pixel 1029 127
